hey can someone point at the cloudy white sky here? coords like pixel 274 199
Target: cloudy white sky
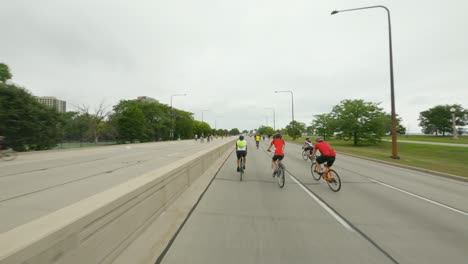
pixel 230 56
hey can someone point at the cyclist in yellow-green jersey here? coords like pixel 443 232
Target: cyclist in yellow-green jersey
pixel 241 150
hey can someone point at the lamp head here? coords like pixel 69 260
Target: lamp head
pixel 334 12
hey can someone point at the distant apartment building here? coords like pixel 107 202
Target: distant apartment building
pixel 59 105
pixel 147 99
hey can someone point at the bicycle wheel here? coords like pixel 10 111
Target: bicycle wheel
pixel 315 174
pixel 8 155
pixel 334 181
pixel 304 155
pixel 280 175
pixel 241 167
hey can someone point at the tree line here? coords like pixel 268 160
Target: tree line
pixel 27 124
pixel 366 122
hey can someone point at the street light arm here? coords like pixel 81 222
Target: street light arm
pixel 360 8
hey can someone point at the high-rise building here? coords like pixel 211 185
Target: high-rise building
pixel 147 99
pixel 59 105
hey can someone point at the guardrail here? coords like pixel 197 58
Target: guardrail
pixel 98 228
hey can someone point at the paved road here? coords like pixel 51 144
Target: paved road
pixel 39 183
pixel 430 143
pixel 383 214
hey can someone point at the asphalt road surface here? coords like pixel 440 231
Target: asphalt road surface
pixel 39 183
pixel 383 214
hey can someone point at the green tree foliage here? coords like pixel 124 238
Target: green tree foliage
pixel 234 131
pixel 183 124
pixel 438 119
pixel 26 123
pixel 5 73
pixel 74 126
pixel 295 129
pixel 201 128
pixel 324 125
pixel 265 130
pixel 399 127
pixel 362 121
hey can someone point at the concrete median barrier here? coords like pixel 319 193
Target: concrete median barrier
pixel 99 228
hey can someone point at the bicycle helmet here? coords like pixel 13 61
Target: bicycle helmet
pixel 307 139
pixel 278 135
pixel 319 139
pixel 241 137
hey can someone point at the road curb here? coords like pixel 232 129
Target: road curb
pixel 436 173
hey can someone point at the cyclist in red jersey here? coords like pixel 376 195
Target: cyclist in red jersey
pixel 328 154
pixel 279 151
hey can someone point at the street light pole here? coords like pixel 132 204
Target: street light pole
pixel 172 116
pixel 202 114
pixel 292 111
pixel 392 93
pixel 454 125
pixel 274 122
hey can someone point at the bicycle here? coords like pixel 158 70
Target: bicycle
pixel 330 176
pixel 258 144
pixel 241 167
pixel 305 156
pixel 279 173
pixel 7 154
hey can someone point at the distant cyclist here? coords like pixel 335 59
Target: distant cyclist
pixel 257 140
pixel 279 151
pixel 308 147
pixel 328 154
pixel 241 150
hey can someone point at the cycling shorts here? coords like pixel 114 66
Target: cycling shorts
pixel 329 159
pixel 278 157
pixel 241 153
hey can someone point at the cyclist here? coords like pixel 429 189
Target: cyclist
pixel 308 147
pixel 241 150
pixel 257 140
pixel 279 151
pixel 328 154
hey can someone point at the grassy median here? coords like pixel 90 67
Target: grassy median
pixel 447 159
pixel 446 139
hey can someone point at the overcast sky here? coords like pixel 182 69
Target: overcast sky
pixel 230 56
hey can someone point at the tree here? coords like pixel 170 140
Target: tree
pixel 324 125
pixel 5 73
pixel 362 121
pixel 295 129
pixel 93 119
pixel 201 128
pixel 265 130
pixel 131 125
pixel 234 131
pixel 400 129
pixel 438 119
pixel 26 123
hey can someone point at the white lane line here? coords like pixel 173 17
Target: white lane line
pixel 173 154
pixel 328 209
pixel 420 197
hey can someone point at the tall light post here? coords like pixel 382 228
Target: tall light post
pixel 274 122
pixel 172 116
pixel 292 111
pixel 202 114
pixel 392 94
pixel 454 125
